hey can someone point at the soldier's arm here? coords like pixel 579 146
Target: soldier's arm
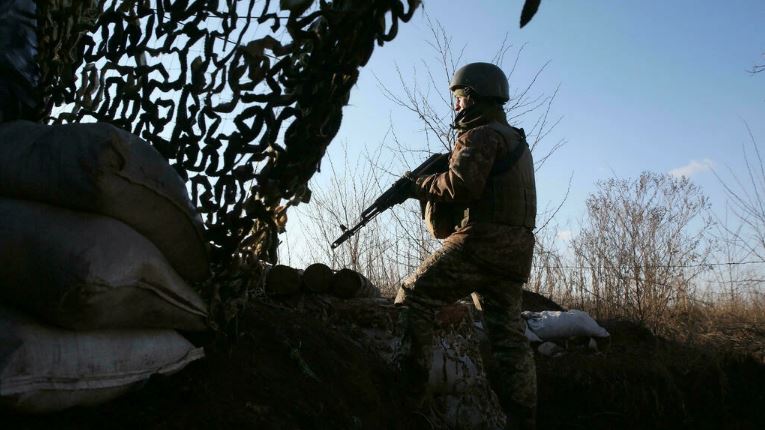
pixel 469 167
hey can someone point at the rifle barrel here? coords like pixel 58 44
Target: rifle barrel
pixel 386 199
pixel 367 216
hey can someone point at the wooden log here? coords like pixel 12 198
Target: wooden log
pixel 283 280
pixel 317 278
pixel 347 284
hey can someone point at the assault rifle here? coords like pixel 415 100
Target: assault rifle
pixel 394 195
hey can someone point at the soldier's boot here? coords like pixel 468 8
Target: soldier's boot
pixel 513 376
pixel 520 417
pixel 413 357
pixel 412 384
pixel 416 398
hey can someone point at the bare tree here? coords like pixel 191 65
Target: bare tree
pixel 431 103
pixel 746 195
pixel 377 251
pixel 551 275
pixel 740 276
pixel 643 244
pixel 393 245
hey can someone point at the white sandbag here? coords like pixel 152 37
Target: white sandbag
pixel 100 168
pixel 550 349
pixel 86 271
pixel 530 335
pixel 556 324
pixel 47 369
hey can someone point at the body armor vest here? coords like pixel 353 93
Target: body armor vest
pixel 509 197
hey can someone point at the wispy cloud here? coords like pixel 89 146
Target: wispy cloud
pixel 692 168
pixel 564 235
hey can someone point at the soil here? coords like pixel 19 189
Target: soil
pixel 295 369
pixel 646 382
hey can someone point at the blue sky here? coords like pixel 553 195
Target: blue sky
pixel 650 85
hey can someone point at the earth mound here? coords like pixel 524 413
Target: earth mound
pixel 305 365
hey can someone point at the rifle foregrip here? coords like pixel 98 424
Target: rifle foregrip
pixel 436 163
pixel 395 194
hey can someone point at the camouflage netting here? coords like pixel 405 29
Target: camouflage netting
pixel 241 97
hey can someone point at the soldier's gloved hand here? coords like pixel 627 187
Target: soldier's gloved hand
pixel 412 190
pixel 405 188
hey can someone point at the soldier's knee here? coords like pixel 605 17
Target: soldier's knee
pixel 401 296
pixel 415 297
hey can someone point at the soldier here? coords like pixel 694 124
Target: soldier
pixel 484 206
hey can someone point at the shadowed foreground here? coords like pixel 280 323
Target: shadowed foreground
pixel 303 364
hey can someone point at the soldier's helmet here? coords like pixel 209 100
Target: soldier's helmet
pixel 485 79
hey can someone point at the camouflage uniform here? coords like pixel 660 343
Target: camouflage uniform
pixel 489 252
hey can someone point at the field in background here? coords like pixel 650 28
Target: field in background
pixel 648 251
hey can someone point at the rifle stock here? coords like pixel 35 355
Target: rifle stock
pixel 392 196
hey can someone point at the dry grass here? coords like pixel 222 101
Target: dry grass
pixel 723 325
pixel 712 322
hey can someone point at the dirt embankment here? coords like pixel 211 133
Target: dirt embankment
pixel 296 367
pixel 645 382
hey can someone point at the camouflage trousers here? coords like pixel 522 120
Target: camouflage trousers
pixel 443 278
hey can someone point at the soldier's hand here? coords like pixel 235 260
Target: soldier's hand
pixel 405 188
pixel 412 189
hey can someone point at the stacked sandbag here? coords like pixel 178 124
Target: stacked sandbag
pixel 317 278
pixel 47 369
pixel 348 284
pixel 555 332
pixel 88 271
pixel 101 169
pixel 98 238
pixel 282 280
pixel 96 230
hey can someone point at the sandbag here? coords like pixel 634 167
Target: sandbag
pixel 100 168
pixel 347 283
pixel 47 369
pixel 317 278
pixel 282 280
pixel 556 324
pixel 86 271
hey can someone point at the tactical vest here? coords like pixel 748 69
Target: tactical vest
pixel 509 196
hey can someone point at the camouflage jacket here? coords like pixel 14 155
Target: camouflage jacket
pixel 502 239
